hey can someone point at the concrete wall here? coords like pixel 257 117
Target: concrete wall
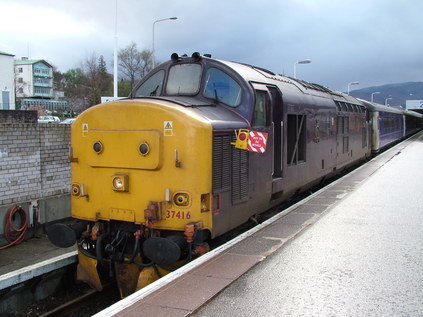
pixel 35 170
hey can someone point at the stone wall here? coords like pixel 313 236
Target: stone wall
pixel 34 167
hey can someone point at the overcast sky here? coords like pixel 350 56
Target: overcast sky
pixel 373 42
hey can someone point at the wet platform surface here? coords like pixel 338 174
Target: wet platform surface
pixel 355 248
pixel 362 258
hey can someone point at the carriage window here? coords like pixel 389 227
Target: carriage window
pixel 221 87
pixel 152 86
pixel 261 109
pixel 184 79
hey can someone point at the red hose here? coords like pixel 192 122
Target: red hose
pixel 14 235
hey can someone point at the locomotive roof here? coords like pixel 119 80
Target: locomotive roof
pixel 257 74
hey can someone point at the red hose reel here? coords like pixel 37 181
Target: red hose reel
pixel 15 235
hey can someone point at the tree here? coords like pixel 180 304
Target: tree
pixel 58 79
pixel 96 79
pixel 105 80
pixel 134 64
pixel 84 86
pixel 73 80
pixel 74 88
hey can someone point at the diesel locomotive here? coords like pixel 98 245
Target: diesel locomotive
pixel 199 147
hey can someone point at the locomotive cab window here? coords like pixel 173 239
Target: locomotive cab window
pixel 152 86
pixel 261 109
pixel 222 88
pixel 184 79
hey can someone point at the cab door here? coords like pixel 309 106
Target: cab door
pixel 277 129
pixel 268 118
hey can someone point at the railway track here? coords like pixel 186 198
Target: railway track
pixel 87 304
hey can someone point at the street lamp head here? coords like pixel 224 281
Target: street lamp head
pixel 305 61
pixel 372 94
pixel 351 83
pixel 154 23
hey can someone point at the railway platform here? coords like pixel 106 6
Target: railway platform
pixel 20 264
pixel 354 248
pixel 31 258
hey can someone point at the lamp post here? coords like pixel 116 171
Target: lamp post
pixel 154 24
pixel 351 83
pixel 305 61
pixel 374 93
pixel 386 101
pixel 115 58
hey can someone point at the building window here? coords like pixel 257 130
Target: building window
pixel 20 80
pixel 20 69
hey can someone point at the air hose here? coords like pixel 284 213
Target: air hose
pixel 15 235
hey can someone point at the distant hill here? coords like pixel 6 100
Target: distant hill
pixel 398 92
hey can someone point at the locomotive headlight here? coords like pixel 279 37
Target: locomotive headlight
pixel 181 199
pixel 120 182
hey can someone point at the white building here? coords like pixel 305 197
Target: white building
pixel 34 78
pixel 34 85
pixel 7 82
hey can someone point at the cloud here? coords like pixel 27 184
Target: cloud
pixel 374 41
pixel 48 22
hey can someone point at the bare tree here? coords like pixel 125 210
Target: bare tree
pixel 84 86
pixel 134 64
pixel 96 79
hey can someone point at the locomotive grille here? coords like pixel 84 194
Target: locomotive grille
pixel 222 163
pixel 230 168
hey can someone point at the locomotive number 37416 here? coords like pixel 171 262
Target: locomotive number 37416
pixel 171 214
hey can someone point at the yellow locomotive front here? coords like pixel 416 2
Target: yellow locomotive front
pixel 151 173
pixel 133 189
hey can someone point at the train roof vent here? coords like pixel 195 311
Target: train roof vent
pixel 258 68
pixel 317 87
